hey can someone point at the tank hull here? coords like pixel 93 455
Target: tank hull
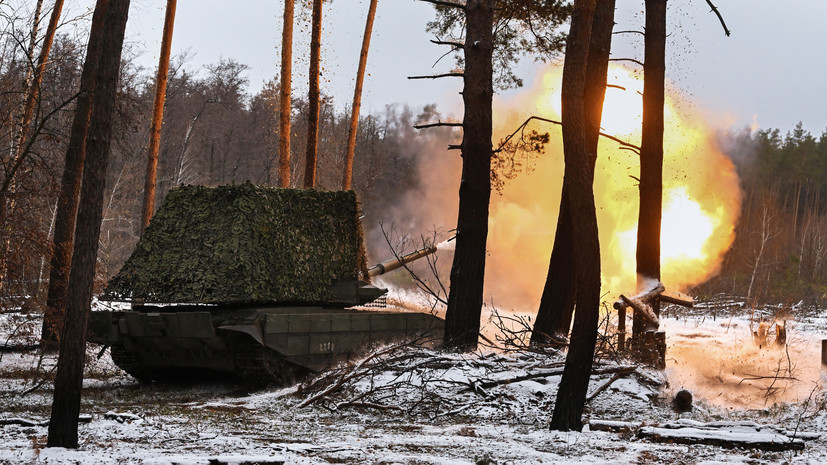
pixel 260 344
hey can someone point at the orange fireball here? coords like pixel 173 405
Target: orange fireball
pixel 701 197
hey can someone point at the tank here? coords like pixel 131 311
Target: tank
pixel 251 282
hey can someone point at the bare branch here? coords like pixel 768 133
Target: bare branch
pixel 621 373
pixel 437 76
pixel 627 59
pixel 624 144
pixel 448 42
pixel 437 125
pixel 720 18
pixel 629 32
pixel 449 4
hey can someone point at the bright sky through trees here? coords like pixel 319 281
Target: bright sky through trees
pixel 769 72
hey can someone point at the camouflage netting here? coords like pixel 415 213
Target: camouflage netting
pixel 244 244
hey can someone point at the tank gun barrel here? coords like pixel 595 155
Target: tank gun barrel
pixel 394 263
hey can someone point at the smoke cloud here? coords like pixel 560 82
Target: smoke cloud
pixel 701 196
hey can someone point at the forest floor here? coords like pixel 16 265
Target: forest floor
pixel 416 406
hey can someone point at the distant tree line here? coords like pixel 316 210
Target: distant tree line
pixel 216 131
pixel 780 248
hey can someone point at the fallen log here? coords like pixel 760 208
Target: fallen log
pixel 29 422
pixel 121 417
pixel 613 426
pixel 744 434
pixel 682 300
pixel 728 437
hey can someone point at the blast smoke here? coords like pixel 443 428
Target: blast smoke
pixel 701 197
pixel 449 244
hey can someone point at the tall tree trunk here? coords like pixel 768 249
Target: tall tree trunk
pixel 63 426
pixel 38 9
pixel 571 394
pixel 285 104
pixel 313 98
pixel 67 203
pixel 347 177
pixel 462 319
pixel 651 152
pixel 33 79
pixel 33 92
pixel 557 303
pixel 157 116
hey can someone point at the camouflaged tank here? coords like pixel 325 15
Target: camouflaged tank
pixel 252 281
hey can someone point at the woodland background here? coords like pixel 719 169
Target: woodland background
pixel 219 131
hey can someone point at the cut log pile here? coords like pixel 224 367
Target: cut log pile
pixel 642 302
pixel 648 346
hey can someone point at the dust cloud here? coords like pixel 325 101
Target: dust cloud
pixel 721 364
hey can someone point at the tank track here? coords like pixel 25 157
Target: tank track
pixel 128 363
pixel 258 365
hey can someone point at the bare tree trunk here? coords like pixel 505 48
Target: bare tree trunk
pixel 557 302
pixel 462 319
pixel 33 92
pixel 38 9
pixel 651 152
pixel 67 203
pixel 33 82
pixel 285 104
pixel 347 178
pixel 63 425
pixel 571 395
pixel 313 98
pixel 157 116
pixel 768 233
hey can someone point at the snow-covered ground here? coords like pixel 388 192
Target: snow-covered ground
pixel 421 407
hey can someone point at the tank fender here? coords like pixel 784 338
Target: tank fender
pixel 253 330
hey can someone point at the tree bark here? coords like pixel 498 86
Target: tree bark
pixel 651 152
pixel 557 302
pixel 313 98
pixel 63 425
pixel 67 202
pixel 462 319
pixel 571 395
pixel 33 81
pixel 157 116
pixel 285 104
pixel 347 178
pixel 34 87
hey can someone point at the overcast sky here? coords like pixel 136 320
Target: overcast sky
pixel 772 70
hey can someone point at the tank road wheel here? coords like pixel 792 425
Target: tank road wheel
pixel 259 365
pixel 128 363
